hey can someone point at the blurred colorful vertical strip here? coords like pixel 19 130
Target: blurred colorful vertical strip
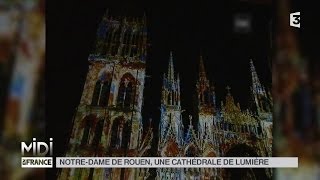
pixel 22 56
pixel 296 129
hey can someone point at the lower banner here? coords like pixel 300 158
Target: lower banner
pixel 177 162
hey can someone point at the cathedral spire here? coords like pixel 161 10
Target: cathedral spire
pixel 256 85
pixel 171 69
pixel 255 79
pixel 171 119
pixel 262 104
pixel 202 72
pixel 171 86
pixel 206 104
pixel 205 95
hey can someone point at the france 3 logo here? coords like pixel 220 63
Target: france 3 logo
pixel 295 19
pixel 36 154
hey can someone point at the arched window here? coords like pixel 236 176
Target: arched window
pixel 87 126
pixel 126 91
pixel 114 133
pixel 105 92
pixel 86 131
pixel 126 41
pixel 121 94
pixel 102 90
pixel 120 135
pixel 101 35
pixel 108 39
pixel 129 95
pixel 126 135
pixel 96 93
pixel 116 42
pixel 98 133
pixel 134 45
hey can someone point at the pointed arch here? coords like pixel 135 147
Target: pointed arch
pixel 126 91
pixel 120 134
pixel 114 132
pixel 105 92
pixel 134 48
pixel 116 42
pixel 98 133
pixel 125 135
pixel 108 39
pixel 87 126
pixel 126 42
pixel 102 90
pixel 96 93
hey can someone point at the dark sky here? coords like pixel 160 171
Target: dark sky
pixel 185 29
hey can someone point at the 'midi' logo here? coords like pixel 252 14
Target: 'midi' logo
pixel 38 149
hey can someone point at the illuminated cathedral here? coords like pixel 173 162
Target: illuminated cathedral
pixel 108 121
pixel 223 131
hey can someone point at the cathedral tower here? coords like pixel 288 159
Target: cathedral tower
pixel 262 98
pixel 171 127
pixel 108 120
pixel 171 134
pixel 206 105
pixel 263 105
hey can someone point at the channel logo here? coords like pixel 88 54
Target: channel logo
pixel 39 150
pixel 295 19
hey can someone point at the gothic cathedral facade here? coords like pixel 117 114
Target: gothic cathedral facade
pixel 108 121
pixel 222 131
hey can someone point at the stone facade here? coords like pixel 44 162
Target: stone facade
pixel 108 121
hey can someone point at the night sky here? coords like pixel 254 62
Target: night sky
pixel 185 29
